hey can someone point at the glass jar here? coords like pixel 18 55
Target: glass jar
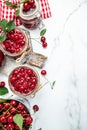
pixel 16 43
pixel 32 18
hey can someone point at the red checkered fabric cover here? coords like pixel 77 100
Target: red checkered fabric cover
pixel 9 14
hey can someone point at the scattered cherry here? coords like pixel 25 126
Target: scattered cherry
pixel 43 72
pixel 2 84
pixel 44 44
pixel 35 108
pixel 43 39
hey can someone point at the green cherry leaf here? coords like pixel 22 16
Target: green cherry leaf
pixel 23 1
pixel 3 24
pixel 2 38
pixel 40 129
pixel 43 32
pixel 8 3
pixel 17 12
pixel 53 83
pixel 10 26
pixel 18 119
pixel 2 100
pixel 3 91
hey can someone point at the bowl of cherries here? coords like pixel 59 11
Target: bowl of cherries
pixel 15 114
pixel 16 42
pixel 24 81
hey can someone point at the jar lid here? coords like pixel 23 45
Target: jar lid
pixel 30 14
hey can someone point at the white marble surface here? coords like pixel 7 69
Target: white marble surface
pixel 64 107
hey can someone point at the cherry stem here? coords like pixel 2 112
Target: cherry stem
pixel 45 84
pixel 6 111
pixel 48 81
pixel 36 40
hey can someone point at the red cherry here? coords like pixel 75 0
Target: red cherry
pixel 1 106
pixel 44 44
pixel 25 85
pixel 31 2
pixel 32 87
pixel 43 72
pixel 16 37
pixel 34 6
pixel 34 80
pixel 14 103
pixel 7 44
pixel 13 110
pixel 26 91
pixel 35 108
pixel 10 119
pixel 26 6
pixel 2 83
pixel 11 36
pixel 1 58
pixel 21 88
pixel 3 119
pixel 12 79
pixel 10 126
pixel 28 120
pixel 24 112
pixel 20 106
pixel 16 127
pixel 43 39
pixel 29 71
pixel 6 105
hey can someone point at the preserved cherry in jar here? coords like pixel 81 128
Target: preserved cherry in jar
pixel 30 14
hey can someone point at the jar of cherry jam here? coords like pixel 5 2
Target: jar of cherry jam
pixel 30 14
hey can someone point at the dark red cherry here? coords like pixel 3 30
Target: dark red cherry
pixel 10 119
pixel 35 108
pixel 28 120
pixel 43 39
pixel 44 44
pixel 43 72
pixel 1 58
pixel 26 6
pixel 2 83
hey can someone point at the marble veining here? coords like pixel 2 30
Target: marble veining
pixel 64 107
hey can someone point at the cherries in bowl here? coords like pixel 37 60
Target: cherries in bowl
pixel 14 108
pixel 24 81
pixel 16 42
